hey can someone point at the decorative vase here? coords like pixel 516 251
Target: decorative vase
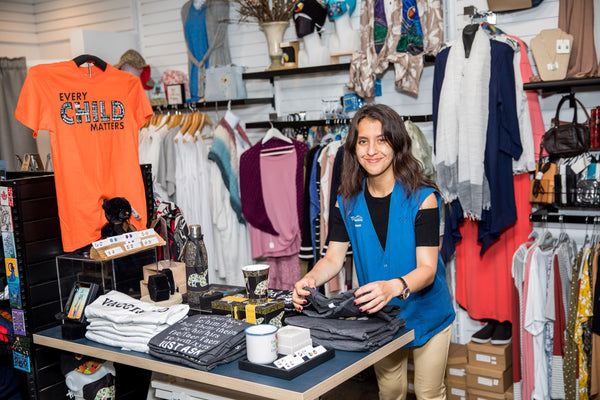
pixel 274 32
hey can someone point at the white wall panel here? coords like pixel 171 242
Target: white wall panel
pixel 18 36
pixel 40 29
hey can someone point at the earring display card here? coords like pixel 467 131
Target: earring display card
pixel 290 366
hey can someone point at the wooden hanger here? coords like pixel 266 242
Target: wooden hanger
pixel 193 126
pixel 174 121
pixel 97 61
pixel 186 124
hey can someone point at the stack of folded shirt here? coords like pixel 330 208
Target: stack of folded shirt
pixel 201 341
pixel 120 320
pixel 337 323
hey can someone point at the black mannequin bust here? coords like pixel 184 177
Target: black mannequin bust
pixel 468 36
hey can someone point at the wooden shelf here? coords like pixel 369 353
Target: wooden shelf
pixel 561 86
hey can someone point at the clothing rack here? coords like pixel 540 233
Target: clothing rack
pixel 323 122
pixel 214 104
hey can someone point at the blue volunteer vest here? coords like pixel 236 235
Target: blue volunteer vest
pixel 427 311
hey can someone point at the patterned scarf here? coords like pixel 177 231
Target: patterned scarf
pixel 380 25
pixel 411 37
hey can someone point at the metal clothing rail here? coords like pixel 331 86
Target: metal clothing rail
pixel 323 122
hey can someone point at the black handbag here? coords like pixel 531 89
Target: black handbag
pixel 570 139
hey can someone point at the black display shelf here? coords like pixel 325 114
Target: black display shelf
pixel 310 70
pixel 220 103
pixel 543 215
pixel 296 71
pixel 561 86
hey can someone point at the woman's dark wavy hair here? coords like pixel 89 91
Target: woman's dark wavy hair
pixel 407 169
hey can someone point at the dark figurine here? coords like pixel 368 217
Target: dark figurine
pixel 117 211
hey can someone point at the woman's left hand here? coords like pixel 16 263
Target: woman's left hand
pixel 373 296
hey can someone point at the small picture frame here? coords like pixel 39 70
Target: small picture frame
pixel 82 294
pixel 290 54
pixel 175 94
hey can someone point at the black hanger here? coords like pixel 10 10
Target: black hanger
pixel 100 63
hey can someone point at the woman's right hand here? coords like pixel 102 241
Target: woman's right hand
pixel 299 293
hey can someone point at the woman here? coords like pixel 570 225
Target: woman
pixel 390 213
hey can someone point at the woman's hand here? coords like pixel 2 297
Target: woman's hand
pixel 299 293
pixel 373 296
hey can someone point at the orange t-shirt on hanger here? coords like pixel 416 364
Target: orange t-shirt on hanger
pixel 93 117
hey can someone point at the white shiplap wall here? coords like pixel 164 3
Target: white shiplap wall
pixel 18 37
pixel 40 29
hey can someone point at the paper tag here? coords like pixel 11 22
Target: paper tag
pixel 483 358
pixel 539 175
pixel 485 381
pixel 563 46
pixel 552 66
pixel 458 392
pixel 457 371
pixel 579 165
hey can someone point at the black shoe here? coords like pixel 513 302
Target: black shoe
pixel 502 334
pixel 484 335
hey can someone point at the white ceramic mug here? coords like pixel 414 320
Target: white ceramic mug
pixel 261 343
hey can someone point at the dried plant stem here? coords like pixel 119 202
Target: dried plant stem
pixel 265 10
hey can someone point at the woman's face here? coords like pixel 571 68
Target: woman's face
pixel 373 151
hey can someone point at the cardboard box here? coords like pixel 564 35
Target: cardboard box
pixel 178 269
pixel 269 313
pixel 457 354
pixel 508 5
pixel 476 394
pixel 232 306
pixel 488 379
pixel 457 362
pixel 490 355
pixel 457 374
pixel 456 390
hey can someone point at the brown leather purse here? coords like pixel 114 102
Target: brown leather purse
pixel 570 139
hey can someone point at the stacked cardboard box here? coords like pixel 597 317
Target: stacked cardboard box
pixel 456 372
pixel 489 371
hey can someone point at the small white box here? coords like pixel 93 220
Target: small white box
pixel 291 349
pixel 292 338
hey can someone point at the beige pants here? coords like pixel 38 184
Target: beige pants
pixel 430 368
